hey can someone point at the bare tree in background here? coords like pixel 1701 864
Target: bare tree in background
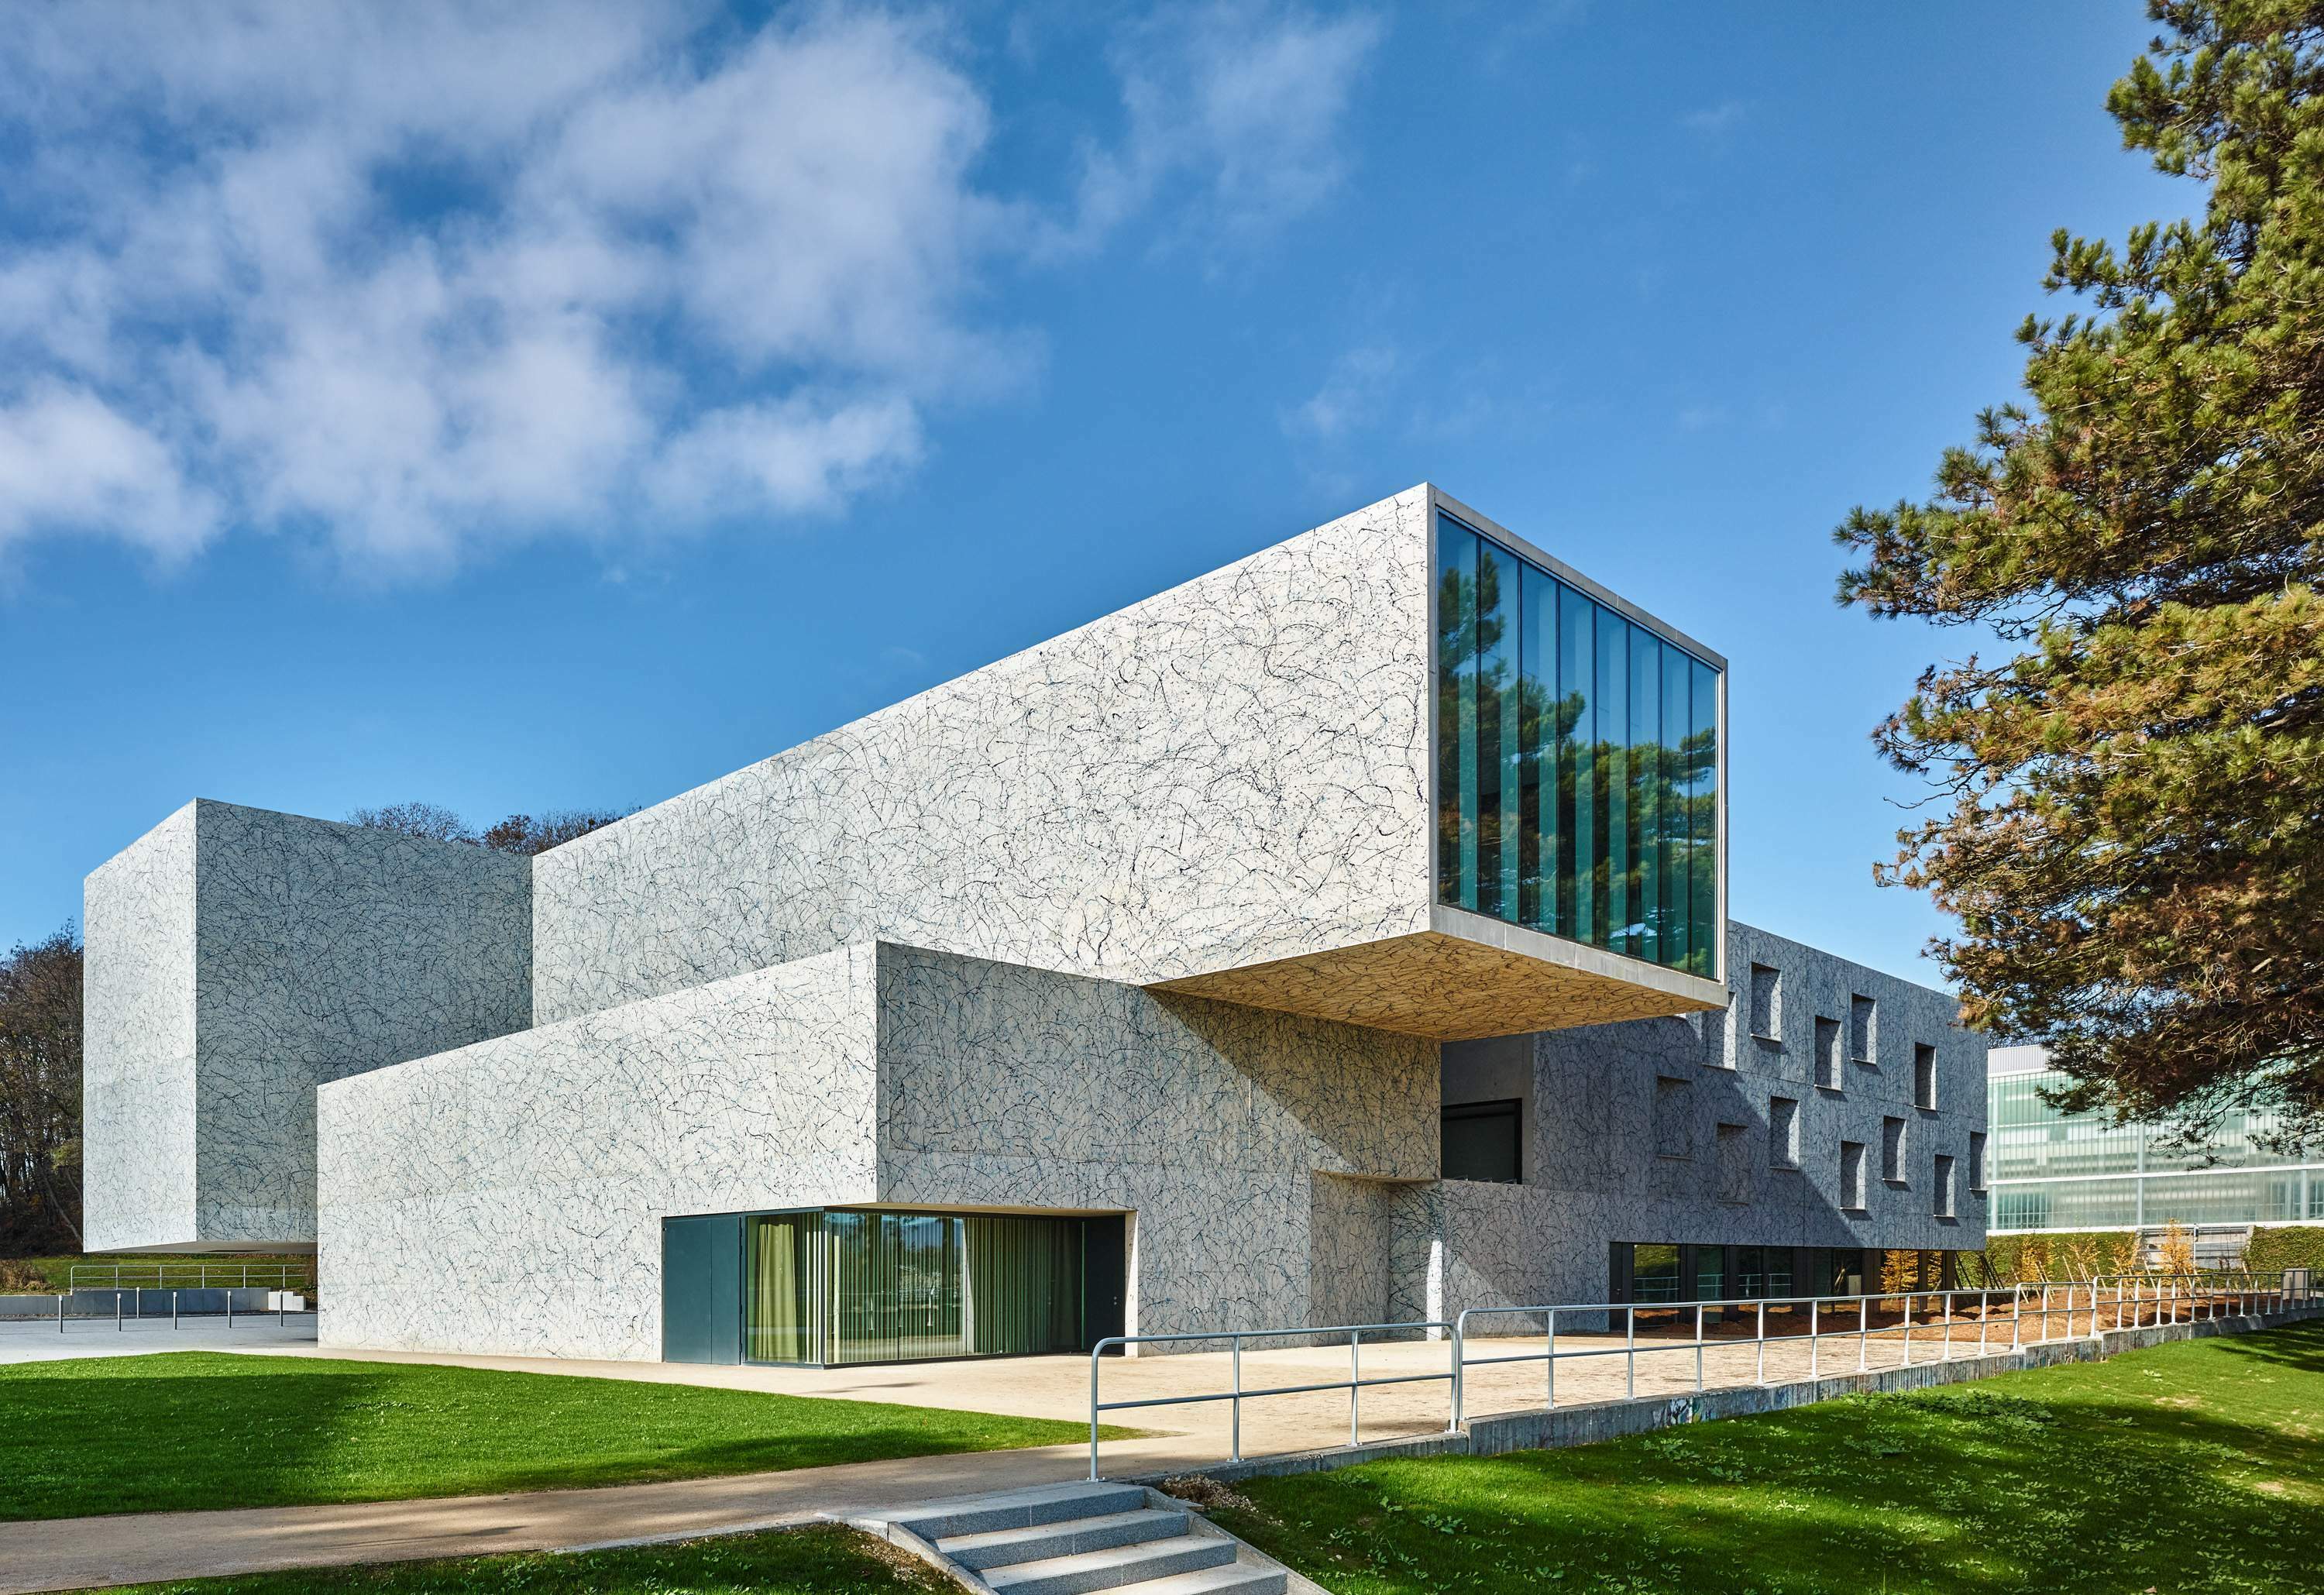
pixel 431 821
pixel 39 1096
pixel 519 832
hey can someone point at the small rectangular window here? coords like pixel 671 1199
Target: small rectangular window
pixel 1892 1150
pixel 1977 1160
pixel 1943 1193
pixel 1674 1118
pixel 1827 1052
pixel 1766 1003
pixel 1481 1141
pixel 1851 1175
pixel 1861 1015
pixel 1735 1163
pixel 1924 1076
pixel 1782 1132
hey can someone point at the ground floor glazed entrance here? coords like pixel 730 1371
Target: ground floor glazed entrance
pixel 830 1286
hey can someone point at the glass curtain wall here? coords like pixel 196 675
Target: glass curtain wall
pixel 1577 762
pixel 845 1288
pixel 2050 1170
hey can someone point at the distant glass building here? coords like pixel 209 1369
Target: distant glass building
pixel 2081 1171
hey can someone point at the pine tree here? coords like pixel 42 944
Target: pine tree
pixel 2135 836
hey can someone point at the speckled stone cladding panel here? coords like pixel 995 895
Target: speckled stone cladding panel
pixel 1232 771
pixel 536 1168
pixel 1004 1085
pixel 508 1197
pixel 1594 1174
pixel 238 959
pixel 137 1019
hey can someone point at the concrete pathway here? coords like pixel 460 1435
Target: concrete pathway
pixel 38 1339
pixel 79 1553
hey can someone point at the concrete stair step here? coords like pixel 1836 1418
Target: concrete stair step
pixel 1003 1547
pixel 1118 1567
pixel 1020 1508
pixel 1234 1579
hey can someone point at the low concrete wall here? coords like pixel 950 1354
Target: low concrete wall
pixel 1586 1424
pixel 192 1302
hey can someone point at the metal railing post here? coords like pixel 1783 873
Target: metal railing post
pixel 174 1309
pixel 1236 1405
pixel 1760 1376
pixel 1698 1347
pixel 1631 1355
pixel 1355 1387
pixel 1459 1340
pixel 1949 1328
pixel 1094 1351
pixel 1552 1360
pixel 1863 1333
pixel 1908 1329
pixel 1815 1334
pixel 60 1312
pixel 116 1309
pixel 229 1306
pixel 2016 1317
pixel 1983 1318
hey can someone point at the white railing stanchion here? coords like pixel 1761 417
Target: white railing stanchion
pixel 1630 1356
pixel 1984 1316
pixel 1949 1327
pixel 1698 1347
pixel 1760 1377
pixel 1235 1406
pixel 1816 1306
pixel 1552 1359
pixel 1863 1332
pixel 1908 1329
pixel 1355 1388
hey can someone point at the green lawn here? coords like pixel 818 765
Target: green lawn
pixel 792 1561
pixel 2195 1466
pixel 186 1430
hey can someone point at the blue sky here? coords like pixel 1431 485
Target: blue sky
pixel 537 408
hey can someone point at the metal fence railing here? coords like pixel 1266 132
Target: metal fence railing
pixel 2027 1314
pixel 211 1302
pixel 162 1275
pixel 1355 1384
pixel 1810 1336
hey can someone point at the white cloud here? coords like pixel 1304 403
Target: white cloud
pixel 432 278
pixel 424 281
pixel 1245 101
pixel 1713 120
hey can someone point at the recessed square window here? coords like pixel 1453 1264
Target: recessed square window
pixel 1977 1160
pixel 1782 1132
pixel 1827 1054
pixel 1483 1141
pixel 1862 1015
pixel 1674 1118
pixel 1766 1002
pixel 1942 1193
pixel 1892 1150
pixel 1924 1076
pixel 1851 1175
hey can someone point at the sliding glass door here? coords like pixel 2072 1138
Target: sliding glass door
pixel 835 1288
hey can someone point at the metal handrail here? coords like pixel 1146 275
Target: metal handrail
pixel 2183 1297
pixel 2086 1308
pixel 283 1310
pixel 204 1275
pixel 1355 1384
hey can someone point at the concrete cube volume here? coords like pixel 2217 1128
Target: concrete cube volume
pixel 1338 937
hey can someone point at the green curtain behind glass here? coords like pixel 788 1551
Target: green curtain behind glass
pixel 780 1294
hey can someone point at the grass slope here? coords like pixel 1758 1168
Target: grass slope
pixel 191 1430
pixel 2195 1466
pixel 792 1561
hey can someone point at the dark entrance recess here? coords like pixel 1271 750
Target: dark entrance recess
pixel 1105 1274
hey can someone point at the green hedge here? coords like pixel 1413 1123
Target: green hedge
pixel 2297 1246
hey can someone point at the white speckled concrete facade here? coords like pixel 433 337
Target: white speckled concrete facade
pixel 539 1166
pixel 237 959
pixel 1086 931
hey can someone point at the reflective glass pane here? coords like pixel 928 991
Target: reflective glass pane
pixel 1702 806
pixel 1611 867
pixel 1675 796
pixel 1539 733
pixel 1456 713
pixel 780 1289
pixel 1654 1273
pixel 1497 774
pixel 1646 766
pixel 1577 798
